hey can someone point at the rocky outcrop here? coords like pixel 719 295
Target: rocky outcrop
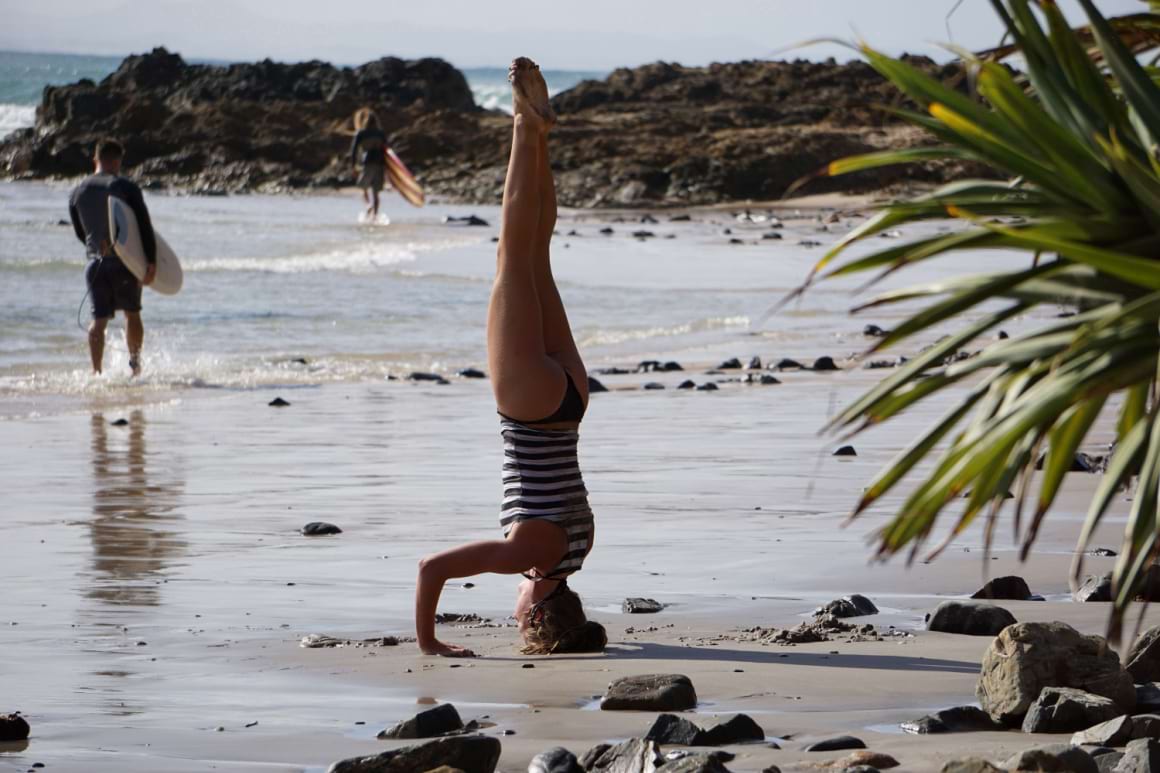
pixel 1027 657
pixel 660 134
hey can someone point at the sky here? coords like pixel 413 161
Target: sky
pixel 588 35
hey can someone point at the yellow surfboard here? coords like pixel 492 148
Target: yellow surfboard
pixel 402 180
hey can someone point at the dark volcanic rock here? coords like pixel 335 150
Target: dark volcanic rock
pixel 972 618
pixel 650 692
pixel 1143 658
pixel 960 719
pixel 469 753
pixel 1065 710
pixel 836 744
pixel 320 528
pixel 854 605
pixel 1010 588
pixel 13 727
pixel 433 722
pixel 1027 657
pixel 639 606
pixel 557 760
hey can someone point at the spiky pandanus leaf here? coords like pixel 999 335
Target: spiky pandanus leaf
pixel 1077 134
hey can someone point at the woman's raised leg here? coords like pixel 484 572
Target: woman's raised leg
pixel 528 383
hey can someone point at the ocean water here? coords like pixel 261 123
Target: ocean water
pixel 23 77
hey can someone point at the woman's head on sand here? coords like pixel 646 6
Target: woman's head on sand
pixel 366 118
pixel 557 624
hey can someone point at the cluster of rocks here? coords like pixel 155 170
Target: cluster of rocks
pixel 653 135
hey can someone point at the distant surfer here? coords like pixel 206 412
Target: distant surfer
pixel 112 286
pixel 368 156
pixel 541 391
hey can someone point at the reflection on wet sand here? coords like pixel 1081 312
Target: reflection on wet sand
pixel 132 516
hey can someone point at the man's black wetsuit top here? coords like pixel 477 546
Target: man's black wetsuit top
pixel 88 206
pixel 375 141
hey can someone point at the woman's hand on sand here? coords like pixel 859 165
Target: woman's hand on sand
pixel 447 650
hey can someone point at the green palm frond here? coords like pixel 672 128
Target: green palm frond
pixel 1077 134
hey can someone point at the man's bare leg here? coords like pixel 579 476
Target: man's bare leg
pixel 97 342
pixel 134 338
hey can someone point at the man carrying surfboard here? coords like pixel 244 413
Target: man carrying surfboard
pixel 111 285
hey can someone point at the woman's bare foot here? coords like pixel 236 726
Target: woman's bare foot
pixel 530 92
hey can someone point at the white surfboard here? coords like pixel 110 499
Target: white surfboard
pixel 127 243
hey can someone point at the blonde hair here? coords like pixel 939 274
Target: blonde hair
pixel 366 117
pixel 558 625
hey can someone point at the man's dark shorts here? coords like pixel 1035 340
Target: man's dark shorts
pixel 112 287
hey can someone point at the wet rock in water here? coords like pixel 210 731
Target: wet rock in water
pixel 960 719
pixel 636 755
pixel 1095 588
pixel 754 363
pixel 740 728
pixel 1056 756
pixel 653 386
pixel 469 753
pixel 1010 588
pixel 671 729
pixel 473 220
pixel 730 364
pixel 1140 756
pixel 873 331
pixel 836 744
pixel 472 373
pixel 1143 658
pixel 433 722
pixel 1065 710
pixel 708 386
pixel 650 692
pixel 1027 657
pixel 595 386
pixel 972 618
pixel 854 605
pixel 13 727
pixel 771 235
pixel 432 377
pixel 125 422
pixel 846 451
pixel 970 765
pixel 687 384
pixel 319 529
pixel 825 363
pixel 588 759
pixel 865 759
pixel 557 760
pixel 641 606
pixel 787 364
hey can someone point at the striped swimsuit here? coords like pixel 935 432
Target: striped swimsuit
pixel 541 480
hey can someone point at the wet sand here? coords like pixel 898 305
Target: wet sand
pixel 156 588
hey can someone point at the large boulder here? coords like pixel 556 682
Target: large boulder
pixel 1027 657
pixel 469 753
pixel 1065 710
pixel 650 692
pixel 973 618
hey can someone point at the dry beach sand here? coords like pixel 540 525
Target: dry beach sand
pixel 156 588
